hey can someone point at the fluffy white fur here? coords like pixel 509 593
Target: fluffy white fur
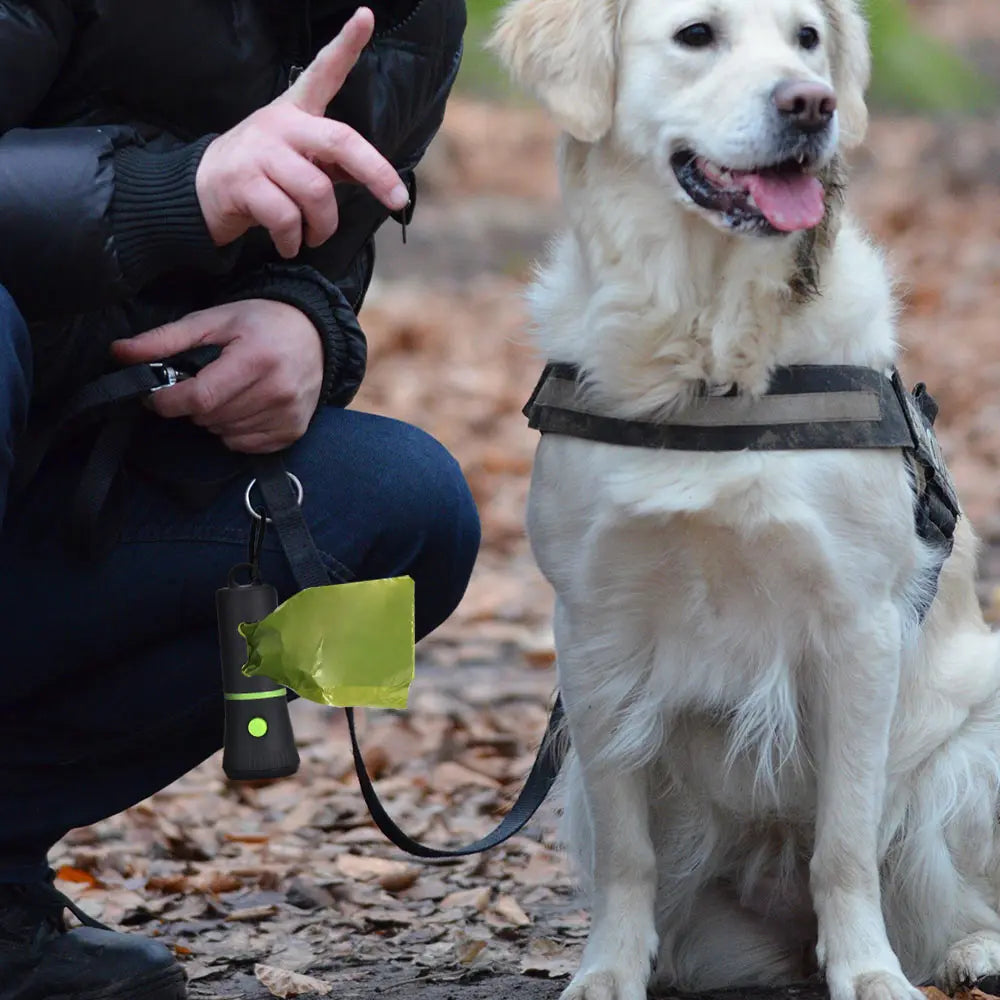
pixel 773 764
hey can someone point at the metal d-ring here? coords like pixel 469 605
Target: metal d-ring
pixel 296 482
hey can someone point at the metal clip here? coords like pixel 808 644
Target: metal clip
pixel 168 375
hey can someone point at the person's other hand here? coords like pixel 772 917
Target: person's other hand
pixel 261 392
pixel 278 166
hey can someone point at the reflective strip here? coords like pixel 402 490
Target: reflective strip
pixel 256 695
pixel 724 411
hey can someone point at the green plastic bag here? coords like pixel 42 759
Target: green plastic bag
pixel 347 644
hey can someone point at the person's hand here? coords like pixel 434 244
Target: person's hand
pixel 277 167
pixel 261 392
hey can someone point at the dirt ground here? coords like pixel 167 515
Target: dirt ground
pixel 291 875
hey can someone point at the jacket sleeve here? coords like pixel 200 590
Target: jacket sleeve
pixel 88 215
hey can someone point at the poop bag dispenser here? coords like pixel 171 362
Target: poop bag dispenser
pixel 259 742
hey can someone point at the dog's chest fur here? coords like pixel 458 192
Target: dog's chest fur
pixel 709 583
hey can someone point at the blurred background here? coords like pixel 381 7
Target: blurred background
pixel 291 873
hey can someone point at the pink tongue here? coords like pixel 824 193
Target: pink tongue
pixel 789 202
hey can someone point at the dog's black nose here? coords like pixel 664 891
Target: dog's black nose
pixel 805 105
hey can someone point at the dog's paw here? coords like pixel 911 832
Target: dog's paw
pixel 881 985
pixel 604 984
pixel 971 959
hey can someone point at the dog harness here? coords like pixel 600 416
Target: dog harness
pixel 805 407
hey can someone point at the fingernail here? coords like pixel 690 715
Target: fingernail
pixel 399 197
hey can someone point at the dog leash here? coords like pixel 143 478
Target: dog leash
pixel 285 513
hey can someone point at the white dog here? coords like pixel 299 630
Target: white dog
pixel 774 762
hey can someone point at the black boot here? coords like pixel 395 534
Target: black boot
pixel 41 960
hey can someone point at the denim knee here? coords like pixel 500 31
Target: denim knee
pixel 390 501
pixel 430 519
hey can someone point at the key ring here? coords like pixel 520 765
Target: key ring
pixel 296 482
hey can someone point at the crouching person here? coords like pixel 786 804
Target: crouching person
pixel 172 179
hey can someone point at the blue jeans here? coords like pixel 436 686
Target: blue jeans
pixel 111 686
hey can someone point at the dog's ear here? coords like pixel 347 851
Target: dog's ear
pixel 563 51
pixel 851 58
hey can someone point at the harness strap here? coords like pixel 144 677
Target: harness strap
pixel 806 406
pixel 308 569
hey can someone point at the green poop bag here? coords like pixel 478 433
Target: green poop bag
pixel 347 644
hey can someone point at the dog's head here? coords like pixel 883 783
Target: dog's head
pixel 739 105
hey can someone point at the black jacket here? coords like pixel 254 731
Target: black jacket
pixel 106 107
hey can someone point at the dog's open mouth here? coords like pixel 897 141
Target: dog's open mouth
pixel 782 198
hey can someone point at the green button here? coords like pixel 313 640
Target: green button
pixel 257 726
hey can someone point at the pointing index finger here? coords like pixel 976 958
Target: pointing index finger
pixel 321 80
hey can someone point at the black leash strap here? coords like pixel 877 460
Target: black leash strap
pixel 285 513
pixel 536 788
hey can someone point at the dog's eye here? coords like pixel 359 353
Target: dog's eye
pixel 695 36
pixel 808 37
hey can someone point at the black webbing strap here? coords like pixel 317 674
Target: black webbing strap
pixel 289 525
pixel 806 406
pixel 96 508
pixel 308 569
pixel 97 400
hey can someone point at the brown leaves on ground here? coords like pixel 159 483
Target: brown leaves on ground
pixel 292 875
pixel 970 993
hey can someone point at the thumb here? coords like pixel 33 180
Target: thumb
pixel 322 79
pixel 162 341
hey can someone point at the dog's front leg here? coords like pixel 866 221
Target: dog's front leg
pixel 618 956
pixel 856 699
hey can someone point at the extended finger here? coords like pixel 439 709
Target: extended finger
pixel 310 188
pixel 271 208
pixel 334 145
pixel 322 79
pixel 212 388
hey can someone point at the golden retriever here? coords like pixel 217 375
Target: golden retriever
pixel 776 766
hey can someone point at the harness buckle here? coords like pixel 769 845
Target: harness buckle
pixel 926 448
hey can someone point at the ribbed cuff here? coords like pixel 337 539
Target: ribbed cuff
pixel 298 289
pixel 156 217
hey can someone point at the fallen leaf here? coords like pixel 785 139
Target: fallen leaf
pixel 220 882
pixel 477 898
pixel 69 874
pixel 510 910
pixel 549 958
pixel 449 777
pixel 168 883
pixel 252 913
pixel 399 881
pixel 468 951
pixel 282 983
pixel 368 868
